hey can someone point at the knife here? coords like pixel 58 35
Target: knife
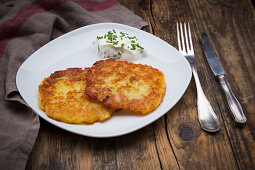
pixel 218 71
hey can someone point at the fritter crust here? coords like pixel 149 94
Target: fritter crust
pixel 62 96
pixel 125 85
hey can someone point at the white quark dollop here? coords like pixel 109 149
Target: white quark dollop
pixel 118 45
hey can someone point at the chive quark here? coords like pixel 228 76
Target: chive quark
pixel 118 45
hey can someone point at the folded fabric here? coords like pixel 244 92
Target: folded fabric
pixel 25 26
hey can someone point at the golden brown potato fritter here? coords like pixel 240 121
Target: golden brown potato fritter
pixel 62 96
pixel 125 85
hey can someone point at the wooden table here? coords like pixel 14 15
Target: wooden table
pixel 176 140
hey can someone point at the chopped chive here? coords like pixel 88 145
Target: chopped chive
pixel 119 53
pixel 115 42
pixel 133 47
pixel 131 37
pixel 112 37
pixel 139 46
pixel 99 37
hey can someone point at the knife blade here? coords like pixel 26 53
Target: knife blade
pixel 218 71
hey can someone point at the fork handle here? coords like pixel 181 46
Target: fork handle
pixel 206 116
pixel 233 103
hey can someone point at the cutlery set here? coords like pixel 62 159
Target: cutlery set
pixel 206 116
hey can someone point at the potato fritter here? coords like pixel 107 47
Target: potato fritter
pixel 125 85
pixel 62 96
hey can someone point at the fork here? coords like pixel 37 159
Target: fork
pixel 206 116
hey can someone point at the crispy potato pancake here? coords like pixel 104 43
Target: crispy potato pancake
pixel 125 85
pixel 62 96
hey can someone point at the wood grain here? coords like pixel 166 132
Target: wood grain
pixel 176 140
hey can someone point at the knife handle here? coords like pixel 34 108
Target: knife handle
pixel 233 103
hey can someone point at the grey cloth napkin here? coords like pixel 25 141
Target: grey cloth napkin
pixel 25 26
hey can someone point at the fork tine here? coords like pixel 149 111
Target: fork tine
pixel 190 39
pixel 183 45
pixel 178 38
pixel 186 37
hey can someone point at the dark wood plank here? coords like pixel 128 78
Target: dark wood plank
pixel 164 149
pixel 58 149
pixel 176 141
pixel 192 147
pixel 228 22
pixel 4 1
pixel 233 39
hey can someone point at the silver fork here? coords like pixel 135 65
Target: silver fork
pixel 206 116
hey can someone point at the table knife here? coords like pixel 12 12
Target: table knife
pixel 218 71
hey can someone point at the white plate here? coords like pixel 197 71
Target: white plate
pixel 74 50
